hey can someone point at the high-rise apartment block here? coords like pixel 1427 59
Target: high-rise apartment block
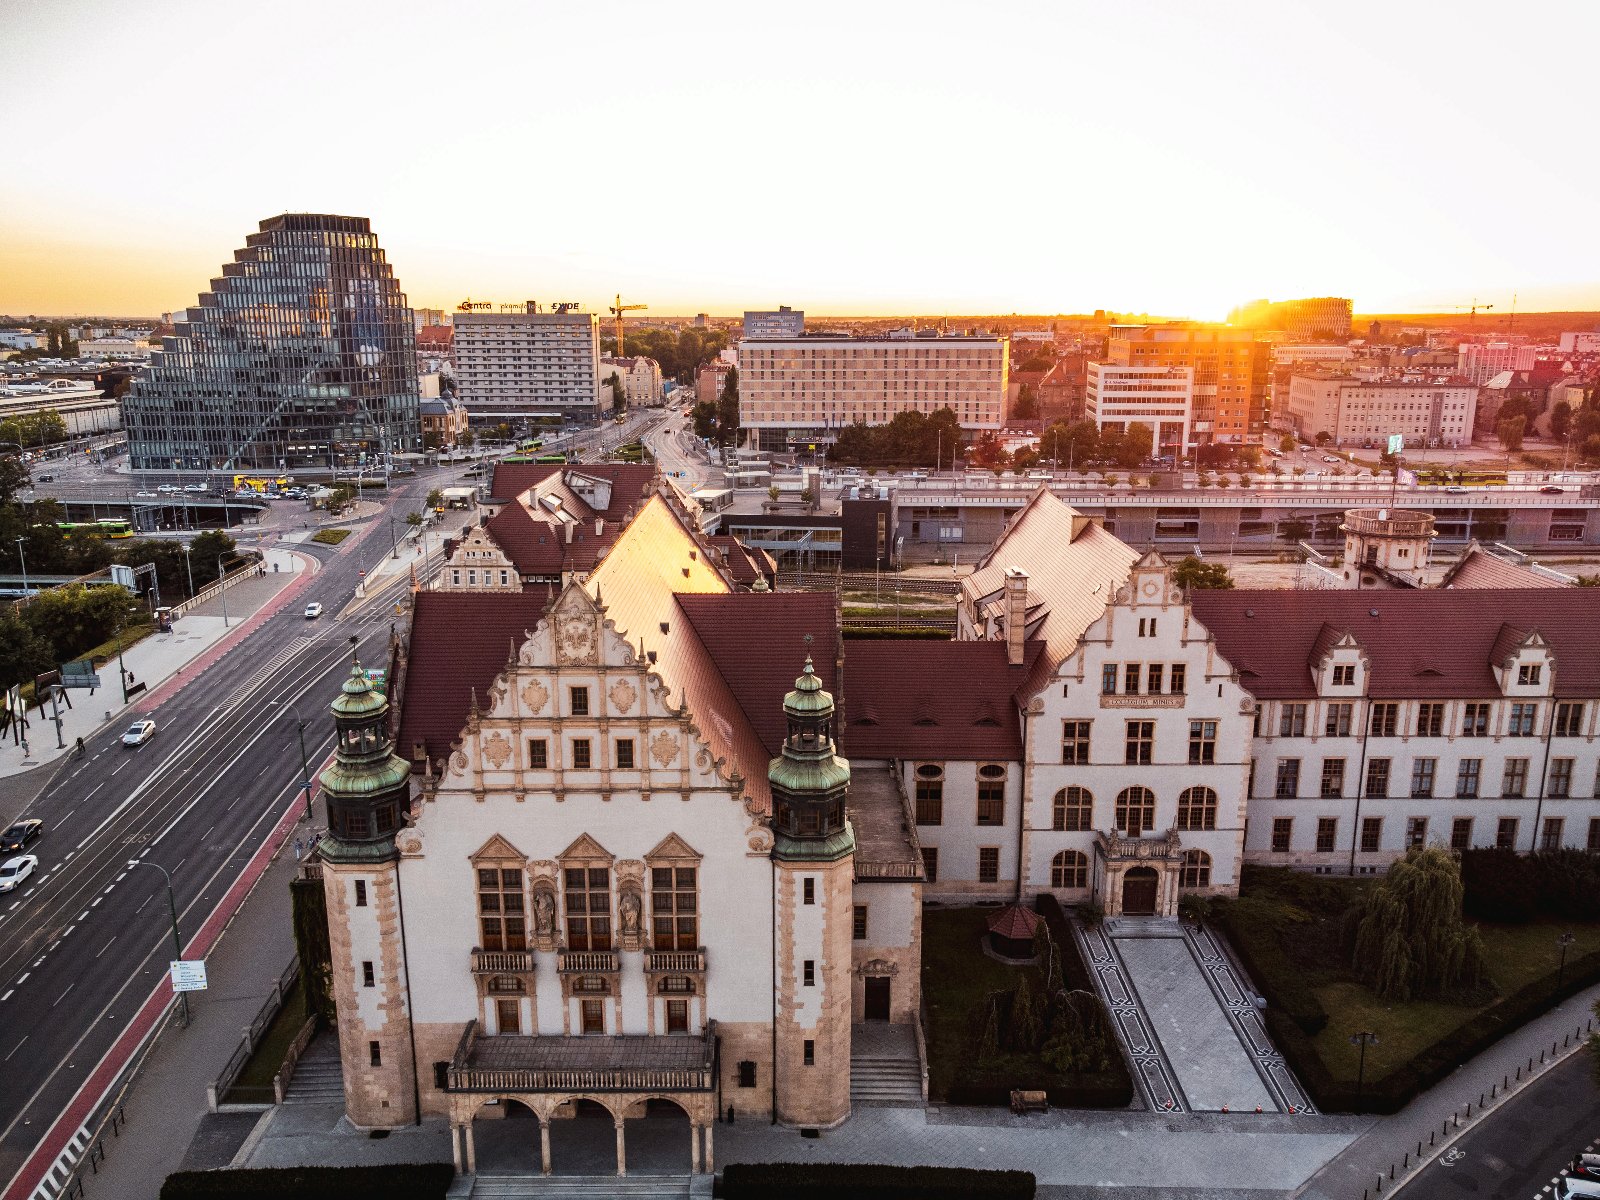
pixel 430 316
pixel 1479 362
pixel 1231 372
pixel 1318 317
pixel 1427 410
pixel 795 391
pixel 786 322
pixel 528 363
pixel 1160 398
pixel 301 355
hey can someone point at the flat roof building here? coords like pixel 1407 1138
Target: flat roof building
pixel 786 322
pixel 1427 410
pixel 1231 371
pixel 1160 398
pixel 513 364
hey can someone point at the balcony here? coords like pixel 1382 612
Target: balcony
pixel 586 962
pixel 501 962
pixel 675 962
pixel 512 1063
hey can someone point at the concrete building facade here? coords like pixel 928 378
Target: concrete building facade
pixel 518 364
pixel 1427 411
pixel 1231 373
pixel 1479 362
pixel 786 322
pixel 1159 397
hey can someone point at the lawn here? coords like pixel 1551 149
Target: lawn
pixel 330 537
pixel 264 1063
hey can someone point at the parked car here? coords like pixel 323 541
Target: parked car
pixel 1551 489
pixel 15 871
pixel 313 611
pixel 139 733
pixel 20 834
pixel 45 479
pixel 1328 458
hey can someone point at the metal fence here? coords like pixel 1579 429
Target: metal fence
pixel 226 1092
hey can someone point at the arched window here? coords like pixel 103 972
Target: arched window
pixel 1196 870
pixel 1074 810
pixel 1069 869
pixel 1136 811
pixel 1197 808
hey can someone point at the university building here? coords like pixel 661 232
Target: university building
pixel 639 840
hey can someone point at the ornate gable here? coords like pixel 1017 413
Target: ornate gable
pixel 575 621
pixel 673 847
pixel 587 848
pixel 498 849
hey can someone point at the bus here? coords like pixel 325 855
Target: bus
pixel 530 445
pixel 110 528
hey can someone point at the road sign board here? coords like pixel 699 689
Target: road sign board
pixel 188 975
pixel 1397 443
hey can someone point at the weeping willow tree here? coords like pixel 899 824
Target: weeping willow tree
pixel 1409 939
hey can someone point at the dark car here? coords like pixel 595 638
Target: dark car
pixel 20 834
pixel 1550 489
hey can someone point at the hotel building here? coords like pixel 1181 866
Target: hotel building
pixel 527 363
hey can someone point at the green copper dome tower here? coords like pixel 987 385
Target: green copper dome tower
pixel 809 780
pixel 368 787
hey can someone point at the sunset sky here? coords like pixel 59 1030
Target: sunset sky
pixel 1169 157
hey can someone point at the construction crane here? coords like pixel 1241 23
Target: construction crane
pixel 1472 308
pixel 617 310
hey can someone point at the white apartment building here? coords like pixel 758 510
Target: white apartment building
pixel 1364 412
pixel 785 323
pixel 1479 362
pixel 1161 398
pixel 795 391
pixel 114 349
pixel 1580 343
pixel 639 375
pixel 519 364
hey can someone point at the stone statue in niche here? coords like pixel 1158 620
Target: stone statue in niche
pixel 544 915
pixel 630 910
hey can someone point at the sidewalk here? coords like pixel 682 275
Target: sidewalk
pixel 152 662
pixel 1391 1140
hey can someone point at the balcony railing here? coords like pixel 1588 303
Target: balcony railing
pixel 501 962
pixel 584 1064
pixel 675 962
pixel 586 962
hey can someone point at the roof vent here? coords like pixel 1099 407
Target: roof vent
pixel 651 655
pixel 1249 612
pixel 1372 612
pixel 665 627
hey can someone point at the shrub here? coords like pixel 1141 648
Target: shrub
pixel 871 1181
pixel 1504 886
pixel 330 537
pixel 400 1181
pixel 1253 929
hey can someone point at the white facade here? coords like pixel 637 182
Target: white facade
pixel 1580 343
pixel 640 378
pixel 514 364
pixel 114 349
pixel 785 323
pixel 1479 362
pixel 1365 412
pixel 1161 398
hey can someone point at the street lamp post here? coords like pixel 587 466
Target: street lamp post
pixel 305 767
pixel 177 943
pixel 1564 941
pixel 188 566
pixel 394 539
pixel 222 587
pixel 1363 1039
pixel 24 559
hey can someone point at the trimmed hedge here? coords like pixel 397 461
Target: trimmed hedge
pixel 1504 886
pixel 396 1181
pixel 870 1181
pixel 1255 941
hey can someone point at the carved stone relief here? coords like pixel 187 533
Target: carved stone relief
pixel 575 639
pixel 497 749
pixel 535 695
pixel 458 763
pixel 878 966
pixel 664 748
pixel 623 694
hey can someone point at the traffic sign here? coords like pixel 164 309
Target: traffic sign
pixel 188 975
pixel 1397 443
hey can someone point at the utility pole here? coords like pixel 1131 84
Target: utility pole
pixel 24 559
pixel 305 767
pixel 188 566
pixel 222 584
pixel 177 943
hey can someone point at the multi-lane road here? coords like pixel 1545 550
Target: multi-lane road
pixel 83 945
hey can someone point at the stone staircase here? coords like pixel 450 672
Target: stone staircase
pixel 581 1187
pixel 884 1067
pixel 1143 927
pixel 318 1078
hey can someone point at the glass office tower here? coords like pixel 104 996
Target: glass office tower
pixel 302 356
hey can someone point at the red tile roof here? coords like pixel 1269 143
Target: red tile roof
pixel 535 541
pixel 1424 644
pixel 1480 569
pixel 745 564
pixel 917 699
pixel 1014 923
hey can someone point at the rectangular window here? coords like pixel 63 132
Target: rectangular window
pixel 1338 722
pixel 1474 720
pixel 1593 845
pixel 1292 720
pixel 1288 778
pixel 593 1015
pixel 1152 680
pixel 858 923
pixel 1528 674
pixel 1467 778
pixel 625 754
pixel 674 908
pixel 808 973
pixel 579 698
pixel 1461 833
pixel 375 1054
pixel 1569 720
pixel 1344 675
pixel 1430 720
pixel 1108 679
pixel 588 895
pixel 1416 832
pixel 1371 834
pixel 677 1016
pixel 582 754
pixel 1550 835
pixel 508 1014
pixel 1505 836
pixel 809 1053
pixel 1560 778
pixel 1524 718
pixel 1332 778
pixel 361 893
pixel 747 1073
pixel 930 802
pixel 1282 833
pixel 808 890
pixel 930 863
pixel 1384 721
pixel 1179 671
pixel 1422 775
pixel 368 978
pixel 991 802
pixel 1141 742
pixel 1514 784
pixel 502 920
pixel 1075 743
pixel 988 864
pixel 1130 678
pixel 538 754
pixel 1202 741
pixel 1327 834
pixel 1377 778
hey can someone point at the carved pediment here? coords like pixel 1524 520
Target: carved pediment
pixel 878 966
pixel 499 849
pixel 587 848
pixel 673 846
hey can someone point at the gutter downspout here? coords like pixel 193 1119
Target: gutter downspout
pixel 774 868
pixel 1361 775
pixel 1544 773
pixel 1022 805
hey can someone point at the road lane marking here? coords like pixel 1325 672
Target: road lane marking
pixel 140 909
pixel 63 995
pixel 69 931
pixel 18 1046
pixel 93 902
pixel 102 949
pixel 124 763
pixel 8 995
pixel 97 787
pixel 23 978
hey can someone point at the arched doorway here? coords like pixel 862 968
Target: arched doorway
pixel 583 1139
pixel 1140 888
pixel 660 1138
pixel 506 1138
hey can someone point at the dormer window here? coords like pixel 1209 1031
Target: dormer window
pixel 1344 675
pixel 1529 674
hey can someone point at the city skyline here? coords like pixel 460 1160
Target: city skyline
pixel 1060 160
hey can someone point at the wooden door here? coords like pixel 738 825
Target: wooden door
pixel 508 1014
pixel 1139 888
pixel 594 1016
pixel 877 997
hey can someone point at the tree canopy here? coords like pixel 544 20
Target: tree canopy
pixel 1191 573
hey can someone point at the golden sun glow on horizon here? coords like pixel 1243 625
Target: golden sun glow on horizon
pixel 848 160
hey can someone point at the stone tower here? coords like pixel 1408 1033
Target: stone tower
pixel 814 854
pixel 367 791
pixel 1385 547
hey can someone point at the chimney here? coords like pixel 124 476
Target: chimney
pixel 1016 613
pixel 599 526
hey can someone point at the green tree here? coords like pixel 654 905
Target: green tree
pixel 1137 443
pixel 1027 405
pixel 619 400
pixel 1323 438
pixel 415 519
pixel 1409 938
pixel 76 618
pixel 1287 443
pixel 728 410
pixel 1191 573
pixel 206 548
pixel 1295 530
pixel 1027 1025
pixel 705 420
pixel 14 476
pixel 1510 430
pixel 435 498
pixel 1560 419
pixel 23 653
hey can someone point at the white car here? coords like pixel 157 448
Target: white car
pixel 15 871
pixel 139 733
pixel 1328 458
pixel 313 611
